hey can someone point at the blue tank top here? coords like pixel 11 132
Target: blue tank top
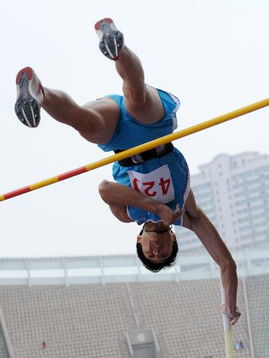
pixel 129 132
pixel 164 179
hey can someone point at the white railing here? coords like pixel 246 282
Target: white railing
pixel 121 268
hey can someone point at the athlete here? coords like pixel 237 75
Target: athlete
pixel 151 188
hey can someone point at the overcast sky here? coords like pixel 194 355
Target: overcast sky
pixel 212 54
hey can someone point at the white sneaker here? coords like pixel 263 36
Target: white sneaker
pixel 30 95
pixel 111 39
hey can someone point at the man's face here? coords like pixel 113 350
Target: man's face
pixel 156 246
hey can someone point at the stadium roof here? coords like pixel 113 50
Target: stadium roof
pixel 121 268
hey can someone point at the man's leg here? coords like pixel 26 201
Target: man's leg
pixel 95 121
pixel 142 101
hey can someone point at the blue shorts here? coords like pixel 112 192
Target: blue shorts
pixel 164 179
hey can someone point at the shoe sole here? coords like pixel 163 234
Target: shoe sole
pixel 27 108
pixel 111 44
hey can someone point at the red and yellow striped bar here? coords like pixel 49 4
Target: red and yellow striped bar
pixel 138 149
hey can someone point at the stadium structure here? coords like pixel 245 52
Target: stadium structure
pixel 111 307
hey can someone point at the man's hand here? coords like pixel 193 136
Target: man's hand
pixel 234 314
pixel 167 215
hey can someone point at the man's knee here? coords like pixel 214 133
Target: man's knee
pixel 99 121
pixel 104 188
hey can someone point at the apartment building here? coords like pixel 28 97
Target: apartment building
pixel 233 190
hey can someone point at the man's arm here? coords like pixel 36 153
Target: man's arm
pixel 118 196
pixel 196 220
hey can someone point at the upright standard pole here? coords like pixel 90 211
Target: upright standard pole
pixel 227 326
pixel 139 149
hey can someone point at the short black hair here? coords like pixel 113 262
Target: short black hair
pixel 157 266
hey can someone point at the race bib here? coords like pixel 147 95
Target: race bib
pixel 157 184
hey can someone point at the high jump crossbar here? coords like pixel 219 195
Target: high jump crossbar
pixel 138 149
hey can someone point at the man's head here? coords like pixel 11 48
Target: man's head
pixel 156 248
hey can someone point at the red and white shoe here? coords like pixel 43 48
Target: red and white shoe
pixel 30 95
pixel 111 39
